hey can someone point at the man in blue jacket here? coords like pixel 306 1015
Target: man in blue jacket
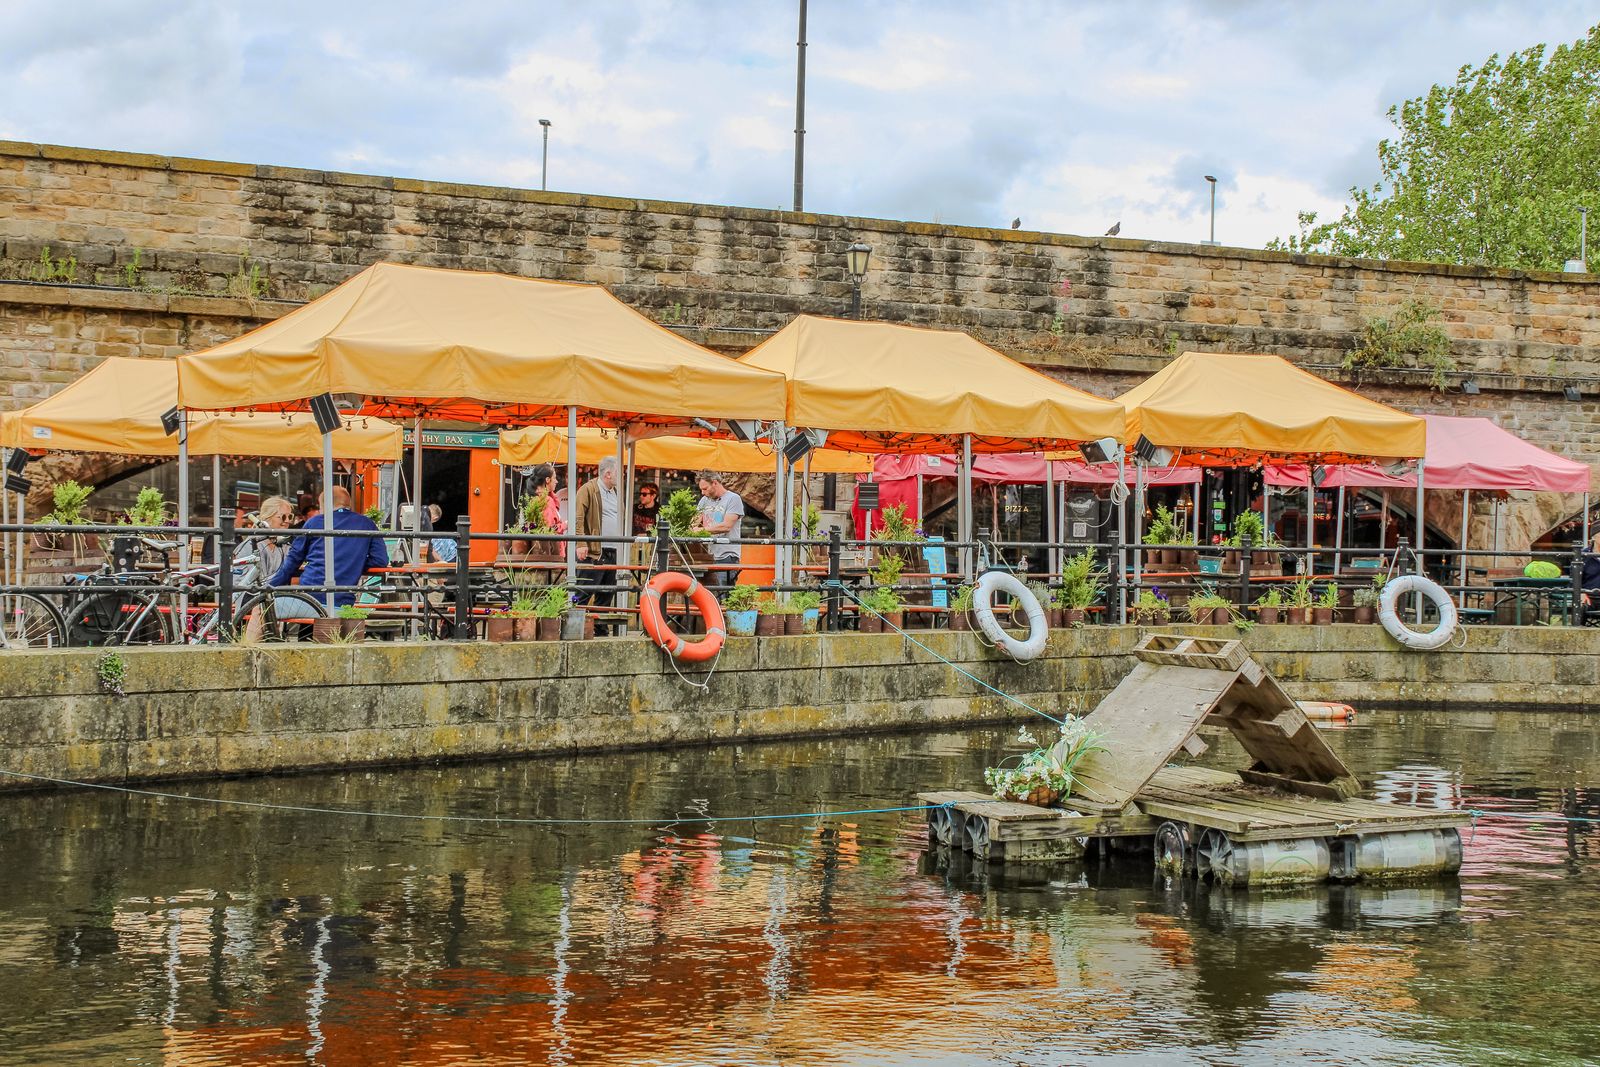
pixel 351 559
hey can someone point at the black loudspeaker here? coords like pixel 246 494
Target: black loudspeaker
pixel 797 447
pixel 16 483
pixel 742 429
pixel 170 422
pixel 326 412
pixel 1105 450
pixel 867 496
pixel 17 461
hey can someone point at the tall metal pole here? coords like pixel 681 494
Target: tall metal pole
pixel 1053 556
pixel 328 579
pixel 1122 535
pixel 1213 211
pixel 183 484
pixel 544 162
pixel 800 116
pixel 572 495
pixel 1338 534
pixel 1461 570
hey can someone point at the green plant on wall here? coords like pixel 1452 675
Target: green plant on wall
pixel 1408 338
pixel 111 670
pixel 248 282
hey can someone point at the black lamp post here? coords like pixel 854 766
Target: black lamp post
pixel 857 256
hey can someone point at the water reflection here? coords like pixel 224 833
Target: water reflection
pixel 150 931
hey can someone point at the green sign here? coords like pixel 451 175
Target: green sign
pixel 454 439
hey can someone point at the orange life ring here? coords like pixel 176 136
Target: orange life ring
pixel 654 620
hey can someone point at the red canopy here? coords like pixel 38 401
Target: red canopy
pixel 1462 453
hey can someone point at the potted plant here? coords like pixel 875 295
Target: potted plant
pixel 896 527
pixel 1047 600
pixel 1298 611
pixel 1365 600
pixel 808 527
pixel 1188 556
pixel 1151 608
pixel 149 508
pixel 769 617
pixel 1163 531
pixel 530 520
pixel 739 606
pixel 499 627
pixel 1327 600
pixel 961 608
pixel 808 603
pixel 793 624
pixel 1269 606
pixel 377 514
pixel 1081 587
pixel 525 624
pixel 69 499
pixel 885 580
pixel 679 513
pixel 1045 775
pixel 1208 609
pixel 548 608
pixel 880 609
pixel 353 622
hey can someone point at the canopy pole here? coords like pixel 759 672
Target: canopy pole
pixel 183 484
pixel 1138 522
pixel 1586 519
pixel 1053 555
pixel 919 496
pixel 572 495
pixel 216 489
pixel 779 491
pixel 967 555
pixel 5 542
pixel 623 552
pixel 1461 570
pixel 1338 535
pixel 414 547
pixel 328 543
pixel 1416 600
pixel 1121 498
pixel 630 477
pixel 1311 524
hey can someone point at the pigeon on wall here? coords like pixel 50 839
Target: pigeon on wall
pixel 1116 228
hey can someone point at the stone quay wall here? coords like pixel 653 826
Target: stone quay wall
pixel 205 712
pixel 190 251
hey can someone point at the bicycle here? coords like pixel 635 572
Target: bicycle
pixel 28 620
pixel 250 599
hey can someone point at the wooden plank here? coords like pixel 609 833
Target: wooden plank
pixel 1339 789
pixel 1246 809
pixel 1196 778
pixel 1182 650
pixel 1199 814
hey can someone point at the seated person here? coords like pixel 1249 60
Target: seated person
pixel 442 549
pixel 352 558
pixel 1591 574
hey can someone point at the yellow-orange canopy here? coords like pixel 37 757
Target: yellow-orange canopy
pixel 885 387
pixel 533 444
pixel 1228 409
pixel 117 406
pixel 476 347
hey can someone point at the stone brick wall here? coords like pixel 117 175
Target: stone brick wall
pixel 1098 312
pixel 199 712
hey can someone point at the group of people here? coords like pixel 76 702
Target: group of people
pixel 596 513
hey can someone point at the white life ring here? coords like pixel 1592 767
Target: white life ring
pixel 1388 615
pixel 992 582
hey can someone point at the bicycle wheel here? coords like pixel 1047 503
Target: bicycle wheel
pixel 28 621
pixel 285 615
pixel 117 618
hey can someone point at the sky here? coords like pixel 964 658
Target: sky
pixel 1070 115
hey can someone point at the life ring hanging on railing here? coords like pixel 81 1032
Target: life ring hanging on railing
pixel 654 619
pixel 992 582
pixel 1388 614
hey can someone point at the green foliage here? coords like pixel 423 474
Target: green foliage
pixel 740 598
pixel 961 599
pixel 1050 770
pixel 530 514
pixel 376 513
pixel 1368 596
pixel 1329 597
pixel 69 498
pixel 1272 598
pixel 1410 338
pixel 1489 170
pixel 1152 607
pixel 248 282
pixel 679 512
pixel 1203 603
pixel 523 606
pixel 552 603
pixel 806 600
pixel 1248 524
pixel 352 611
pixel 887 571
pixel 48 269
pixel 149 508
pixel 1300 593
pixel 896 527
pixel 806 525
pixel 1081 582
pixel 132 275
pixel 881 599
pixel 1163 529
pixel 111 670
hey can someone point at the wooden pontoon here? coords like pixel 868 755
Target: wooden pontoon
pixel 1293 816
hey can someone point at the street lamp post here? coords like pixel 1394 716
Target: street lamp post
pixel 857 256
pixel 544 165
pixel 1581 264
pixel 1212 180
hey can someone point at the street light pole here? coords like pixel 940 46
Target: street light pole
pixel 544 165
pixel 1212 180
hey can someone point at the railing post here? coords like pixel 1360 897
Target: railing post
pixel 663 547
pixel 1244 572
pixel 225 542
pixel 463 624
pixel 1117 596
pixel 1575 614
pixel 835 589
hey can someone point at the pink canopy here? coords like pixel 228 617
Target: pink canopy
pixel 1025 467
pixel 1462 453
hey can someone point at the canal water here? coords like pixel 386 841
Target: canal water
pixel 138 930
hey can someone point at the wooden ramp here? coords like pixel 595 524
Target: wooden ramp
pixel 1293 816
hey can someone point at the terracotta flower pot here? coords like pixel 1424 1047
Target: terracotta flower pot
pixel 1221 617
pixel 894 619
pixel 326 631
pixel 1365 614
pixel 1322 616
pixel 960 621
pixel 1073 616
pixel 1296 616
pixel 527 629
pixel 1267 616
pixel 769 625
pixel 794 625
pixel 498 629
pixel 1188 559
pixel 870 623
pixel 548 629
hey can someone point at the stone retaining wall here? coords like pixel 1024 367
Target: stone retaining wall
pixel 244 710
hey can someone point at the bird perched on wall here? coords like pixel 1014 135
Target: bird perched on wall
pixel 1016 223
pixel 1116 228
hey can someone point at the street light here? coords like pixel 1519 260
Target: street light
pixel 1212 179
pixel 857 256
pixel 544 166
pixel 1580 265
